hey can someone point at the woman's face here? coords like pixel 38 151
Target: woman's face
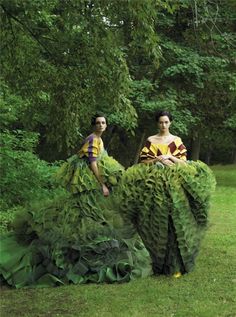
pixel 164 123
pixel 100 124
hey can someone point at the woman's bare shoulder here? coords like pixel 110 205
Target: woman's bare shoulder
pixel 151 138
pixel 174 137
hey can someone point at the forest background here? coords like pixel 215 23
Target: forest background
pixel 64 60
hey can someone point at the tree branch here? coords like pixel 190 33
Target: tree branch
pixel 25 27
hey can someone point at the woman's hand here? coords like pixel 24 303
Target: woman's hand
pixel 105 190
pixel 164 157
pixel 94 168
pixel 167 162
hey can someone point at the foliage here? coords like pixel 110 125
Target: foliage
pixel 195 79
pixel 126 60
pixel 69 58
pixel 203 68
pixel 61 62
pixel 23 175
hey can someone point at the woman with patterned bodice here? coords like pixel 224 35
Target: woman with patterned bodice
pixel 83 171
pixel 93 147
pixel 166 198
pixel 75 237
pixel 163 147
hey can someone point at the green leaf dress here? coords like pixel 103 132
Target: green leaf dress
pixel 168 206
pixel 77 237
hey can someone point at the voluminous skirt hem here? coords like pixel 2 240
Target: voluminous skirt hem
pixel 168 206
pixel 75 238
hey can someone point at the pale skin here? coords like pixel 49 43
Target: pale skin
pixel 100 127
pixel 163 137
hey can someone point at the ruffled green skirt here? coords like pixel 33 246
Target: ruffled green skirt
pixel 75 238
pixel 168 206
pixel 81 236
pixel 76 176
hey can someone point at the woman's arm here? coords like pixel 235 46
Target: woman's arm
pixel 149 161
pixel 164 159
pixel 95 170
pixel 158 159
pixel 148 157
pixel 172 158
pixel 175 160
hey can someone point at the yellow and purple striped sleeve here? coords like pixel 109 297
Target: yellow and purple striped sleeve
pixel 90 149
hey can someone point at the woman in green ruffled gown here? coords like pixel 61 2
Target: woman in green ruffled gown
pixel 166 198
pixel 77 237
pixel 93 147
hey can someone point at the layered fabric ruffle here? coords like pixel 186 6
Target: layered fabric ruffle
pixel 168 206
pixel 76 176
pixel 74 238
pixel 84 237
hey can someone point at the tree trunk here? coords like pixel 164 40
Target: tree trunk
pixel 196 144
pixel 208 156
pixel 143 136
pixel 109 136
pixel 234 156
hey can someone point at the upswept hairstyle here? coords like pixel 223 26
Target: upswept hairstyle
pixel 162 113
pixel 98 114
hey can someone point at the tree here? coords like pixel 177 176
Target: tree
pixel 196 78
pixel 68 57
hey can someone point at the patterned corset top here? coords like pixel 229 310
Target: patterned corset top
pixel 175 148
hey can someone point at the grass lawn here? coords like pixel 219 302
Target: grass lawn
pixel 209 291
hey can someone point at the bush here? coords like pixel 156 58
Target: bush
pixel 23 175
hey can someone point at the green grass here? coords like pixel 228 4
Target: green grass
pixel 209 291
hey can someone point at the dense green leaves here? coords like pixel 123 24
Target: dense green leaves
pixel 61 61
pixel 23 175
pixel 128 59
pixel 70 61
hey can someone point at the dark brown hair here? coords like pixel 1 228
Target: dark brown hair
pixel 162 113
pixel 93 120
